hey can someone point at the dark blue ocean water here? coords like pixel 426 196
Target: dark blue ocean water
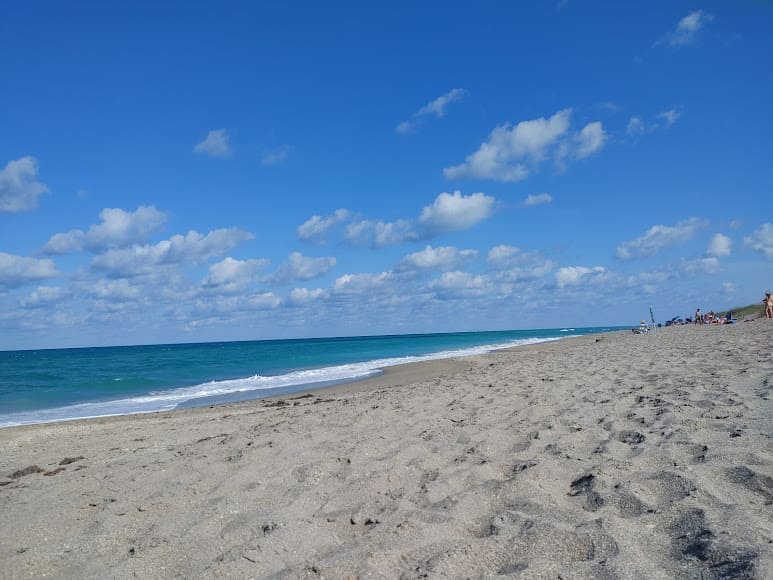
pixel 51 385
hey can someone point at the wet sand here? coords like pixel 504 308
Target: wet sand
pixel 605 456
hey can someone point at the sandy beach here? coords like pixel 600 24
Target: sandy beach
pixel 606 456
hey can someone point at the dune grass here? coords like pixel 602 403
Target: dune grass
pixel 750 311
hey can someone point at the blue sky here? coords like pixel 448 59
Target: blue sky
pixel 189 171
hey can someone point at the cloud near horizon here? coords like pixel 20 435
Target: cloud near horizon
pixel 16 271
pixel 193 247
pixel 19 185
pixel 443 258
pixel 658 238
pixel 512 152
pixel 118 228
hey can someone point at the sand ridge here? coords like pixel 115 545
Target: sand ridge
pixel 610 456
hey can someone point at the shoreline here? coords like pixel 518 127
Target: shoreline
pixel 401 370
pixel 610 455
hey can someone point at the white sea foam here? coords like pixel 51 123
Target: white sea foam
pixel 172 398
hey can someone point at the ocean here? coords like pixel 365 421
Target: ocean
pixel 40 386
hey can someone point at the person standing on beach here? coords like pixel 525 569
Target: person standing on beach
pixel 768 300
pixel 698 317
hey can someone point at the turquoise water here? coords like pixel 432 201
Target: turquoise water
pixel 52 385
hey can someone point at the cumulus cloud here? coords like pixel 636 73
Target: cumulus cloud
pixel 357 283
pixel 511 151
pixel 118 228
pixel 687 29
pixel 16 271
pixel 451 212
pixel 436 107
pixel 502 156
pixel 227 306
pixel 460 284
pixel 192 247
pixel 44 296
pixel 573 275
pixel 114 290
pixel 216 144
pixel 442 258
pixel 19 185
pixel 761 240
pixel 700 265
pixel 378 234
pixel 589 140
pixel 300 267
pixel 658 238
pixel 537 199
pixel 515 264
pixel 231 275
pixel 720 245
pixel 317 226
pixel 303 296
pixel 275 156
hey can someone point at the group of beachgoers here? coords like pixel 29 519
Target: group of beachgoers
pixel 711 318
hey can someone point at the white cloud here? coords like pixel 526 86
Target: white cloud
pixel 728 288
pixel 670 116
pixel 510 151
pixel 302 296
pixel 452 212
pixel 761 240
pixel 357 283
pixel 231 275
pixel 226 306
pixel 720 245
pixel 118 228
pixel 114 290
pixel 192 247
pixel 378 233
pixel 700 265
pixel 44 296
pixel 515 264
pixel 501 157
pixel 460 284
pixel 300 267
pixel 316 226
pixel 687 29
pixel 442 258
pixel 636 126
pixel 436 107
pixel 18 271
pixel 573 275
pixel 19 185
pixel 588 141
pixel 275 156
pixel 736 224
pixel 216 144
pixel 537 199
pixel 659 237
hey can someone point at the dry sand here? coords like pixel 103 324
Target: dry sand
pixel 614 456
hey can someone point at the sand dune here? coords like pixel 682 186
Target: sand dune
pixel 610 456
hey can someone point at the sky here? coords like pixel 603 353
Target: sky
pixel 200 171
